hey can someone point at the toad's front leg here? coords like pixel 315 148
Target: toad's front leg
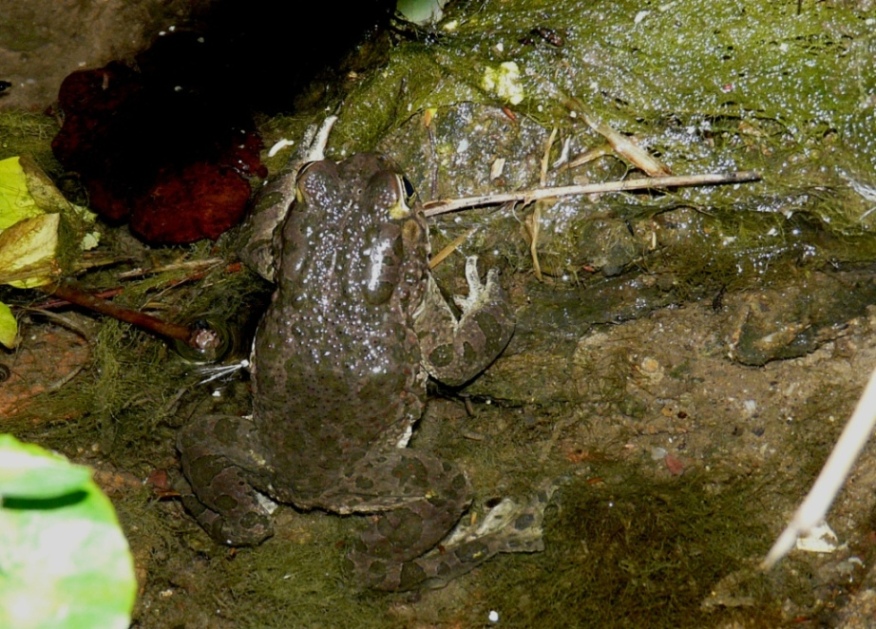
pixel 456 350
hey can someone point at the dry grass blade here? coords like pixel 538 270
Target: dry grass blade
pixel 438 258
pixel 533 221
pixel 628 149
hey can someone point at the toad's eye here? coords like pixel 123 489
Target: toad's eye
pixel 408 189
pixel 404 193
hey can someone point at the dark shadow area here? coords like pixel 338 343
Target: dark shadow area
pixel 260 55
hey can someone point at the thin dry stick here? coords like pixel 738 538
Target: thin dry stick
pixel 196 338
pixel 188 265
pixel 814 507
pixel 434 208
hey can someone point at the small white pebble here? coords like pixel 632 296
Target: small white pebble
pixel 658 454
pixel 493 616
pixel 497 167
pixel 819 539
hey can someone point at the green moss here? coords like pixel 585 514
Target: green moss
pixel 635 552
pixel 747 85
pixel 25 133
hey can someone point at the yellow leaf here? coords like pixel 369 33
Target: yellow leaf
pixel 16 202
pixel 47 197
pixel 26 191
pixel 8 326
pixel 27 251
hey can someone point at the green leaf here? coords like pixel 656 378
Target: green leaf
pixel 29 471
pixel 63 559
pixel 8 326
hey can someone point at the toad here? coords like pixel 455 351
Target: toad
pixel 339 368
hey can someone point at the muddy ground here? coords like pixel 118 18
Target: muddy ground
pixel 677 467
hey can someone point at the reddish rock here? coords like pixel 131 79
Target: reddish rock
pixel 158 149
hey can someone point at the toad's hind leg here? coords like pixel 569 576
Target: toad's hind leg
pixel 417 499
pixel 219 461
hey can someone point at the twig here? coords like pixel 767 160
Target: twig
pixel 188 265
pixel 52 304
pixel 814 507
pixel 56 386
pixel 434 208
pixel 58 319
pixel 194 337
